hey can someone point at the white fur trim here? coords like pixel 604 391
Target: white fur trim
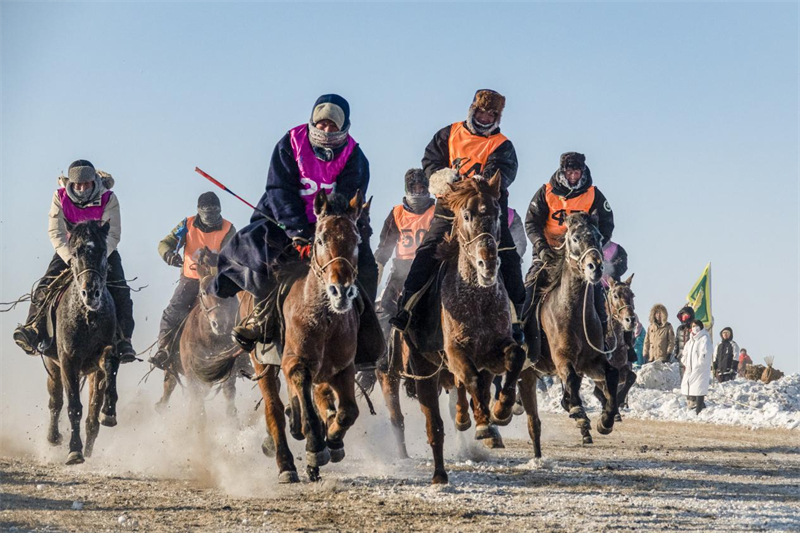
pixel 441 179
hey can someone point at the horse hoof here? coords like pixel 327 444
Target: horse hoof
pixel 465 425
pixel 495 443
pixel 603 430
pixel 617 418
pixel 317 459
pixel 55 440
pixel 161 407
pixel 313 473
pixel 75 458
pixel 440 478
pixel 289 476
pixel 518 409
pixel 108 420
pixel 587 439
pixel 500 421
pixel 483 432
pixel 337 454
pixel 268 447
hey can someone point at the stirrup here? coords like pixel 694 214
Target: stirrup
pixel 26 338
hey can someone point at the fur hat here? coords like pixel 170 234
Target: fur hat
pixel 414 176
pixel 81 171
pixel 208 199
pixel 332 107
pixel 573 160
pixel 489 100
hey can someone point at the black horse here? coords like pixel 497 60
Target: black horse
pixel 84 340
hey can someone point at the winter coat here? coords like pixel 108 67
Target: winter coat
pixel 683 332
pixel 659 342
pixel 744 360
pixel 504 158
pixel 390 233
pixel 539 211
pixel 638 345
pixel 58 230
pixel 517 229
pixel 697 360
pixel 725 361
pixel 176 239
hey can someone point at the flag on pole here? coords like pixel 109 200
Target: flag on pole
pixel 700 298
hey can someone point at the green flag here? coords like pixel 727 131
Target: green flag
pixel 700 298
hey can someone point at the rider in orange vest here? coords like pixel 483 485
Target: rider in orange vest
pixel 570 190
pixel 404 230
pixel 194 233
pixel 460 151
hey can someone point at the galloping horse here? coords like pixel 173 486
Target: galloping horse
pixel 476 322
pixel 205 334
pixel 573 330
pixel 322 323
pixel 620 309
pixel 84 339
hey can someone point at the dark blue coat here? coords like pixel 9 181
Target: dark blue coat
pixel 245 262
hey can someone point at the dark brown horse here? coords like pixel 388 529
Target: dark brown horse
pixel 476 322
pixel 322 323
pixel 84 340
pixel 572 328
pixel 622 319
pixel 206 334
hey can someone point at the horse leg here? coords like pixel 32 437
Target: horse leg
pixel 108 414
pixel 503 409
pixel 71 379
pixel 490 434
pixel 229 391
pixel 428 395
pixel 170 381
pixel 326 403
pixel 622 397
pixel 96 385
pixel 390 385
pixel 576 411
pixel 606 423
pixel 276 443
pixel 317 453
pixel 343 384
pixel 600 395
pixel 527 388
pixel 56 390
pixel 463 421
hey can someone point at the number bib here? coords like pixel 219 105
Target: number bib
pixel 413 229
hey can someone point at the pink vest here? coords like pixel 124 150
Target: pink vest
pixel 610 251
pixel 314 173
pixel 75 215
pixel 511 214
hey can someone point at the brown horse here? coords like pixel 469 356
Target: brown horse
pixel 476 321
pixel 206 334
pixel 622 314
pixel 572 328
pixel 319 348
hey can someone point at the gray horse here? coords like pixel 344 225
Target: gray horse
pixel 85 327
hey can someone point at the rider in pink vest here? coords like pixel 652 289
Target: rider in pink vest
pixel 86 195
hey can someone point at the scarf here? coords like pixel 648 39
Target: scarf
pixel 82 198
pixel 562 180
pixel 208 219
pixel 325 143
pixel 478 128
pixel 418 203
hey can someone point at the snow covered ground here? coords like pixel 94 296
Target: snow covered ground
pixel 740 402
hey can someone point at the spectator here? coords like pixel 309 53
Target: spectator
pixel 684 332
pixel 744 361
pixel 696 357
pixel 659 343
pixel 725 362
pixel 638 344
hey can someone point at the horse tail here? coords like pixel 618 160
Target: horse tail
pixel 215 369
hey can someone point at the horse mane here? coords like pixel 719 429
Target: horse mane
pixel 554 272
pixel 461 193
pixel 337 204
pixel 89 231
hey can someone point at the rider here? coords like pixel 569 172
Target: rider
pixel 84 195
pixel 402 233
pixel 317 155
pixel 570 190
pixel 207 229
pixel 457 151
pixel 517 228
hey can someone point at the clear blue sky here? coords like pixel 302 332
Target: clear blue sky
pixel 688 115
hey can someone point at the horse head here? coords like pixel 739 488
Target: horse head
pixel 89 264
pixel 620 302
pixel 583 250
pixel 219 312
pixel 205 262
pixel 334 259
pixel 476 206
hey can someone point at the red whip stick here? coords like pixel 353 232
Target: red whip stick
pixel 227 190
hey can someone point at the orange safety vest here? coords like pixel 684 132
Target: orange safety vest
pixel 196 240
pixel 413 228
pixel 470 152
pixel 560 208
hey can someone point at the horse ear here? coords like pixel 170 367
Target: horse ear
pixel 105 227
pixel 356 204
pixel 367 205
pixel 320 203
pixel 628 281
pixel 612 282
pixel 495 184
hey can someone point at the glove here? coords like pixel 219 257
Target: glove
pixel 173 259
pixel 546 255
pixel 303 249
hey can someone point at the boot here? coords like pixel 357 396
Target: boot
pixel 161 359
pixel 251 331
pixel 516 327
pixel 27 338
pixel 126 352
pixel 401 320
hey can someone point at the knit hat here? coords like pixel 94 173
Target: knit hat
pixel 573 160
pixel 208 199
pixel 489 100
pixel 414 176
pixel 81 171
pixel 334 108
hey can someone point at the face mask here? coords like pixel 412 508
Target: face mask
pixel 417 201
pixel 210 216
pixel 695 330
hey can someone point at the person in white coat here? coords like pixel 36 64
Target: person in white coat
pixel 696 356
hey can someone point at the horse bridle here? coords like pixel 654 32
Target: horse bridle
pixel 319 270
pixel 615 312
pixel 203 305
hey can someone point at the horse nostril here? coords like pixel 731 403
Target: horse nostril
pixel 97 294
pixel 84 293
pixel 591 266
pixel 481 263
pixel 334 291
pixel 214 324
pixel 351 292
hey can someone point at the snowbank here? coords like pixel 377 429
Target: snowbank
pixel 740 402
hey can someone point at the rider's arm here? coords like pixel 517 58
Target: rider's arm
pixel 517 230
pixel 437 153
pixel 535 220
pixel 389 236
pixel 112 216
pixel 174 240
pixel 57 230
pixel 228 236
pixel 604 214
pixel 354 176
pixel 503 159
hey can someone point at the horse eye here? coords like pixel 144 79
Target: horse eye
pixel 319 242
pixel 466 215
